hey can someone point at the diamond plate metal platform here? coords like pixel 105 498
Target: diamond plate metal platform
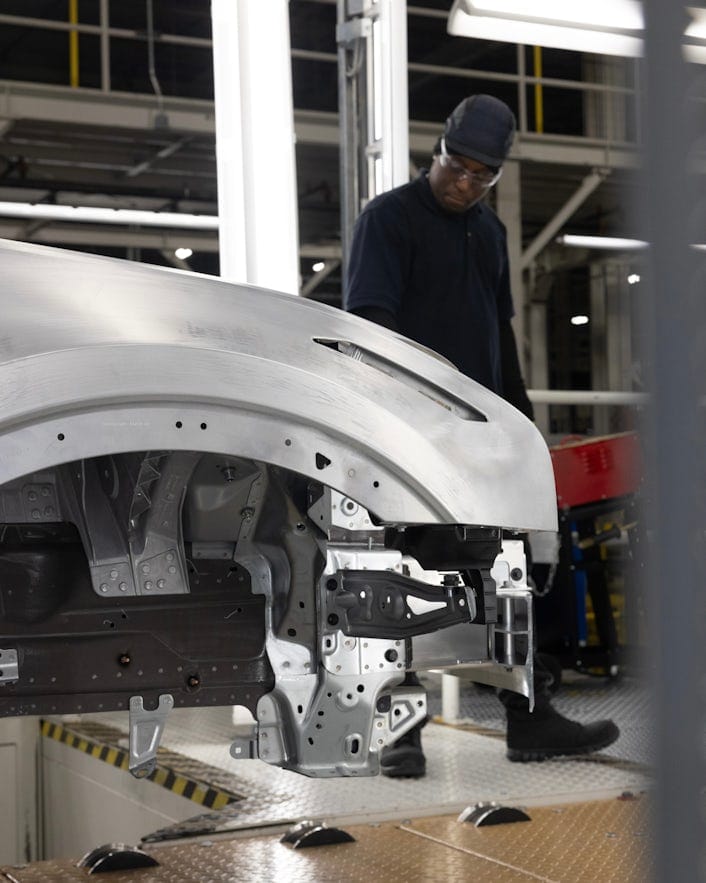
pixel 463 766
pixel 577 843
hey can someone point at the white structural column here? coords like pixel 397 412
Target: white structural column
pixel 390 97
pixel 373 99
pixel 257 199
pixel 509 209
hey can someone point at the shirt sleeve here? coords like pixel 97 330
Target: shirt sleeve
pixel 513 385
pixel 375 314
pixel 380 258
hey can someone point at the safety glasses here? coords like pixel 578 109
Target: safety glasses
pixel 480 180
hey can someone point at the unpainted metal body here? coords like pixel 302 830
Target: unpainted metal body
pixel 223 495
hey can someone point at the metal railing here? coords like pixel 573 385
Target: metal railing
pixel 604 103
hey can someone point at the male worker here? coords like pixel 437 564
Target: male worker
pixel 429 259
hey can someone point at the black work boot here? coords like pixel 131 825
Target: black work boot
pixel 545 733
pixel 405 758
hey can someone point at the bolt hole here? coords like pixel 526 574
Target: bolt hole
pixel 301 604
pixel 320 713
pixel 292 633
pixel 178 424
pixel 360 688
pixel 204 426
pixel 288 442
pixel 376 484
pixel 355 746
pixel 333 619
pixel 300 709
pixel 310 741
pixel 331 585
pixel 61 436
pixel 322 461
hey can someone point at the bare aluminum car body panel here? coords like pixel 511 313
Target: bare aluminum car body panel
pixel 112 355
pixel 212 494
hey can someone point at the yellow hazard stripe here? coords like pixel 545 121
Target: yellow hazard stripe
pixel 184 786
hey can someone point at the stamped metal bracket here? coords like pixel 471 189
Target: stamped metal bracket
pixel 146 728
pixel 9 667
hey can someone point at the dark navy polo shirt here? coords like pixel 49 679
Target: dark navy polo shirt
pixel 443 276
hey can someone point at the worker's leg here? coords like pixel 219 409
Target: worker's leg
pixel 545 733
pixel 405 757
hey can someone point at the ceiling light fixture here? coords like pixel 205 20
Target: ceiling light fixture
pixel 98 215
pixel 610 243
pixel 613 243
pixel 183 253
pixel 579 320
pixel 608 27
pixel 612 27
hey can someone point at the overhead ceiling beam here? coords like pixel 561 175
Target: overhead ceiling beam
pixel 589 184
pixel 167 240
pixel 169 150
pixel 121 110
pixel 89 236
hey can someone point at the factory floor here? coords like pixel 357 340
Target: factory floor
pixel 587 816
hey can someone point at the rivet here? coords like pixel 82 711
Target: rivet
pixel 148 585
pixel 104 587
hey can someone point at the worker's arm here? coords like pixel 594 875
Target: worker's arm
pixel 377 315
pixel 379 263
pixel 513 385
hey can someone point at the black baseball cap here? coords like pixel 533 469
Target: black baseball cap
pixel 482 128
